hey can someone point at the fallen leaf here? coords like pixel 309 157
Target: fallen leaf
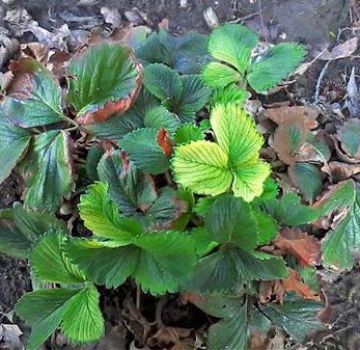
pixel 348 136
pixel 294 283
pixel 304 114
pixel 111 16
pixel 305 248
pixel 353 95
pixel 340 171
pixel 10 337
pixel 343 50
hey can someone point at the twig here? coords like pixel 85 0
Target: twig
pixel 138 298
pixel 244 18
pixel 262 21
pixel 318 83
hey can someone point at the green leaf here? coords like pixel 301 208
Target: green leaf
pixel 167 258
pixel 218 75
pixel 144 150
pixel 195 94
pixel 103 264
pixel 20 228
pixel 82 320
pixel 236 133
pixel 130 189
pixel 274 65
pixel 340 244
pixel 307 178
pixel 204 243
pixel 267 227
pixel 230 95
pixel 164 83
pixel 50 263
pixel 349 137
pixel 159 117
pixel 228 267
pixel 231 220
pixel 13 144
pixel 102 217
pixel 187 133
pixel 249 180
pixel 233 43
pixel 104 74
pixel 289 211
pixel 92 160
pixel 201 166
pixel 296 316
pixel 51 177
pixel 35 97
pixel 43 310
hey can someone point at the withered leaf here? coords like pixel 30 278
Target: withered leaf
pixel 294 283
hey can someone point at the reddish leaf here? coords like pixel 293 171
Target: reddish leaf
pixel 294 283
pixel 163 139
pixel 305 248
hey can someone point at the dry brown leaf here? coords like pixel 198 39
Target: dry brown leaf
pixel 342 171
pixel 268 289
pixel 343 50
pixel 258 340
pixel 164 140
pixel 294 283
pixel 305 248
pixel 305 114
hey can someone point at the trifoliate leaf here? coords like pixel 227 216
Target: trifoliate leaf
pixel 296 316
pixel 201 166
pixel 104 80
pixel 43 310
pixel 275 65
pixel 159 117
pixel 82 320
pixel 340 244
pixel 230 219
pixel 230 266
pixel 235 133
pixel 50 263
pixel 348 136
pixel 166 260
pixel 103 264
pixel 187 133
pixel 203 241
pixel 102 217
pixel 218 75
pixel 20 228
pixel 144 150
pixel 232 43
pixel 307 178
pixel 51 176
pixel 13 144
pixel 34 96
pixel 267 227
pixel 164 83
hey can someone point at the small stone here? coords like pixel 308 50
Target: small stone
pixel 211 17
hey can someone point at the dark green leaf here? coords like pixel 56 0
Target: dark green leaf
pixel 296 316
pixel 92 160
pixel 51 178
pixel 159 117
pixel 187 133
pixel 13 144
pixel 349 137
pixel 144 150
pixel 307 178
pixel 102 81
pixel 230 219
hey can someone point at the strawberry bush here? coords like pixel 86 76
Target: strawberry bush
pixel 153 139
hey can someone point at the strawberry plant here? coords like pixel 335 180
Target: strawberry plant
pixel 174 191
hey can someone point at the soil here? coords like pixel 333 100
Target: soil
pixel 311 22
